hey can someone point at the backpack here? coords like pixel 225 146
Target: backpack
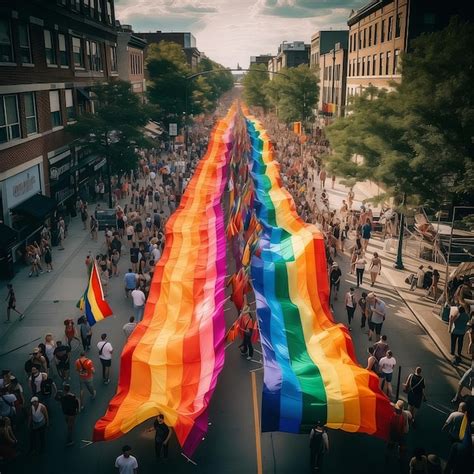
pixel 316 441
pixel 397 427
pixel 83 370
pixel 47 386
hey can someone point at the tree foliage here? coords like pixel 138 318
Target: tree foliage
pixel 417 139
pixel 115 129
pixel 255 82
pixel 171 89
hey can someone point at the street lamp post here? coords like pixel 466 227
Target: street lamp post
pixel 399 262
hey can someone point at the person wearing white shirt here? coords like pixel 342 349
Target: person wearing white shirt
pixel 350 302
pixel 105 356
pixel 386 366
pixel 139 299
pixel 129 327
pixel 126 463
pixel 156 253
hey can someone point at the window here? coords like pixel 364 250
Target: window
pixel 353 67
pixel 24 42
pixel 370 35
pixel 30 113
pixel 387 63
pixel 86 6
pixel 49 50
pixel 76 5
pixel 93 55
pixel 55 108
pixel 398 25
pixel 395 60
pixel 63 53
pixel 363 66
pixel 382 32
pixel 360 40
pixel 375 33
pixel 77 52
pixel 109 11
pixel 329 74
pixel 9 122
pixel 113 58
pixel 99 9
pixel 374 64
pixel 6 50
pixel 358 66
pixel 381 64
pixel 369 71
pixel 365 37
pixel 390 28
pixel 350 44
pixel 70 110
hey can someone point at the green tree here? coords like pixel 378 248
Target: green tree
pixel 115 129
pixel 255 83
pixel 295 94
pixel 417 139
pixel 220 80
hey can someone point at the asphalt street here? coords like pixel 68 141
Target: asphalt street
pixel 231 444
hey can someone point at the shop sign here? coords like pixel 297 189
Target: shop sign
pixel 55 173
pixel 22 186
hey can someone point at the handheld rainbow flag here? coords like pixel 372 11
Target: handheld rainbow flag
pixel 92 301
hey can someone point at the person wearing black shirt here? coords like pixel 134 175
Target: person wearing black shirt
pixel 335 280
pixel 162 436
pixel 134 253
pixel 61 355
pixel 70 408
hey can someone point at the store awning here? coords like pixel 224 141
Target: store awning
pixel 37 206
pixel 7 236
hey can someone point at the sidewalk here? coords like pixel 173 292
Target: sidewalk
pixel 426 312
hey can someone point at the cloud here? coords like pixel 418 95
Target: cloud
pixel 145 23
pixel 305 8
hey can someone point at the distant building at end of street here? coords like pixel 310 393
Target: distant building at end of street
pixel 261 59
pixel 289 55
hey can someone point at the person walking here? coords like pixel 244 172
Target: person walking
pixel 457 327
pixel 377 312
pixel 126 463
pixel 11 305
pixel 372 362
pixel 247 327
pixel 105 356
pixel 363 309
pixel 70 408
pixel 130 281
pixel 414 387
pixel 381 347
pixel 139 299
pixel 85 368
pixel 93 227
pixel 398 430
pixel 129 327
pixel 62 358
pixel 48 258
pixel 375 268
pixel 351 305
pixel 359 265
pixel 366 232
pixel 322 178
pixel 386 365
pixel 335 280
pixel 38 421
pixel 318 446
pixel 162 436
pixel 86 333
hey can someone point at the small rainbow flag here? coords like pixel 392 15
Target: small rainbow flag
pixel 92 301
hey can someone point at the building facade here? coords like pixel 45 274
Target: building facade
pixel 262 59
pixel 323 41
pixel 382 30
pixel 51 53
pixel 332 81
pixel 131 59
pixel 186 40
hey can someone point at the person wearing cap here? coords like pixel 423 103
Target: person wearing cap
pixel 318 446
pixel 126 463
pixel 36 360
pixel 38 421
pixel 350 303
pixel 105 356
pixel 335 280
pixel 36 379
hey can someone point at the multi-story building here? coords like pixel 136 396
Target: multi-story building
pixel 51 52
pixel 130 59
pixel 323 41
pixel 262 59
pixel 292 55
pixel 186 40
pixel 332 81
pixel 382 30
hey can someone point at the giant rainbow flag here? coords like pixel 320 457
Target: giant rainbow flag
pixel 310 370
pixel 172 359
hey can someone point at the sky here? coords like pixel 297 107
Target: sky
pixel 230 31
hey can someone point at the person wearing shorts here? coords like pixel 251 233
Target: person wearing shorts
pixel 377 311
pixel 105 356
pixel 85 369
pixel 386 366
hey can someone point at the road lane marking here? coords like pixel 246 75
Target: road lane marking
pixel 256 419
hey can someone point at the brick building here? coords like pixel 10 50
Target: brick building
pixel 382 30
pixel 130 59
pixel 186 40
pixel 51 52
